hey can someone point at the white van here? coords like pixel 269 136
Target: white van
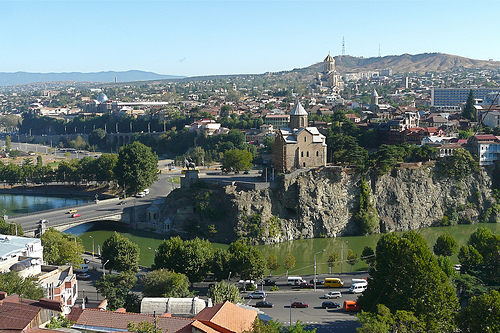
pixel 295 280
pixel 358 288
pixel 242 284
pixel 83 269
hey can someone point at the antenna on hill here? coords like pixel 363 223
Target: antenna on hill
pixel 343 46
pixel 379 50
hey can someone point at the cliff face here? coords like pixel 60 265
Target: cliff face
pixel 322 202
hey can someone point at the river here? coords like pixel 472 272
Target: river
pixel 303 249
pixel 15 204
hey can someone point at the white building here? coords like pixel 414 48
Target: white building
pixel 21 252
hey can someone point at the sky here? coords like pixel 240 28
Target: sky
pixel 205 37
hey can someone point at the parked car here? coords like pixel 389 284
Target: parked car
pixel 269 282
pixel 83 276
pixel 330 304
pixel 263 304
pixel 122 202
pixel 72 211
pixel 82 269
pixel 318 282
pixel 76 215
pixel 305 285
pixel 333 294
pixel 209 278
pixel 257 294
pixel 299 305
pixel 86 261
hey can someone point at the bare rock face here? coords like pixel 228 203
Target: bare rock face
pixel 321 203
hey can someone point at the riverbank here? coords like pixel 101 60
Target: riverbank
pixel 59 190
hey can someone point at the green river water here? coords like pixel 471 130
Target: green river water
pixel 303 249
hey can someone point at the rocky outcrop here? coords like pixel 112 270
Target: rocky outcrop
pixel 321 203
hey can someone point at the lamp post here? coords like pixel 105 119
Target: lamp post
pixel 315 267
pixel 342 256
pixel 76 246
pixel 291 301
pixel 92 246
pixel 104 269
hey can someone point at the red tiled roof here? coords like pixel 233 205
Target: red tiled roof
pixel 228 317
pixel 94 317
pixel 15 316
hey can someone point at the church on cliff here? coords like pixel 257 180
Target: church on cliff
pixel 298 145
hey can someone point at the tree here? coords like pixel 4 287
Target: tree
pixel 352 258
pixel 469 111
pixel 164 283
pixel 221 264
pixel 382 321
pixel 60 248
pixel 482 314
pixel 59 322
pixel 8 143
pixel 191 257
pixel 236 160
pixel 459 165
pixel 368 255
pixel 13 283
pixel 116 287
pixel 137 167
pixel 144 327
pixel 272 263
pixel 105 166
pixel 401 264
pixel 222 291
pixel 446 245
pixel 367 217
pixel 120 253
pixel 288 262
pixel 274 326
pixel 11 228
pixel 333 260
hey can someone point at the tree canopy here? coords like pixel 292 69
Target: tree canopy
pixel 236 160
pixel 406 276
pixel 13 283
pixel 446 245
pixel 137 167
pixel 222 291
pixel 116 288
pixel 164 283
pixel 60 248
pixel 120 253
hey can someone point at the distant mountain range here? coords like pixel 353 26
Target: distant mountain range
pixel 19 78
pixel 405 63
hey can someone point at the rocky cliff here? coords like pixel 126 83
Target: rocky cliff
pixel 322 202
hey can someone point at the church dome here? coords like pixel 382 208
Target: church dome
pixel 329 58
pixel 102 98
pixel 374 93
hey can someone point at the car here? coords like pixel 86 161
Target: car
pixel 140 195
pixel 263 304
pixel 269 282
pixel 122 203
pixel 330 304
pixel 209 278
pixel 86 261
pixel 318 282
pixel 76 215
pixel 333 294
pixel 305 285
pixel 246 173
pixel 83 276
pixel 257 294
pixel 299 305
pixel 72 211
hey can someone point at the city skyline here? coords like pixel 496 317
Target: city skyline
pixel 196 38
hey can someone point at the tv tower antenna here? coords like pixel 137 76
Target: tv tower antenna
pixel 343 46
pixel 379 50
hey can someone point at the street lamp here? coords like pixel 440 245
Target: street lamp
pixel 291 301
pixel 92 246
pixel 76 246
pixel 342 256
pixel 104 269
pixel 315 267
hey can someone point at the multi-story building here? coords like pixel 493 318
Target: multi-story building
pixel 486 147
pixel 451 98
pixel 277 120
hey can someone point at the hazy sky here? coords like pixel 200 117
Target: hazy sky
pixel 235 37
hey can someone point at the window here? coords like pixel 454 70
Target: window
pixel 301 154
pixel 304 164
pixel 317 153
pixel 307 154
pixel 305 139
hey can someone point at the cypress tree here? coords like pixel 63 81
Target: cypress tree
pixel 469 110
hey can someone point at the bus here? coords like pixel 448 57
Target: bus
pixel 334 283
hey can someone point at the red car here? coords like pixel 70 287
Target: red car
pixel 299 305
pixel 306 285
pixel 76 215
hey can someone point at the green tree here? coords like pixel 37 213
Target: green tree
pixel 469 111
pixel 481 315
pixel 60 248
pixel 333 260
pixel 236 160
pixel 446 245
pixel 222 291
pixel 401 264
pixel 120 253
pixel 368 255
pixel 144 327
pixel 221 264
pixel 272 263
pixel 105 166
pixel 59 322
pixel 10 228
pixel 8 143
pixel 164 283
pixel 193 257
pixel 383 321
pixel 469 258
pixel 366 218
pixel 352 258
pixel 116 288
pixel 137 167
pixel 459 165
pixel 288 262
pixel 13 283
